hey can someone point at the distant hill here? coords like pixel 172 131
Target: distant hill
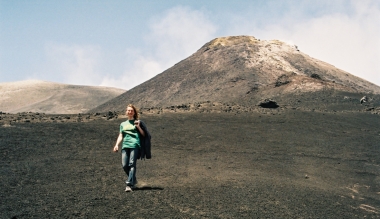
pixel 241 69
pixel 52 98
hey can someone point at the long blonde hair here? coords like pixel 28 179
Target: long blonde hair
pixel 136 116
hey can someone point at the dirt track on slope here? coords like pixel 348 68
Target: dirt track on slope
pixel 291 164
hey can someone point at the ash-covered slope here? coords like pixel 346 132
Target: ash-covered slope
pixel 52 98
pixel 240 69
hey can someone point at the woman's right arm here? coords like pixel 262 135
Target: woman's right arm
pixel 119 139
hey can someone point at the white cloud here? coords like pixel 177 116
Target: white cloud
pixel 180 33
pixel 141 70
pixel 75 64
pixel 173 36
pixel 350 40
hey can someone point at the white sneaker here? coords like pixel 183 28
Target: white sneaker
pixel 128 189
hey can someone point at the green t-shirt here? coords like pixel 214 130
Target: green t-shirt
pixel 130 134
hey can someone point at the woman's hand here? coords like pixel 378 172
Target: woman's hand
pixel 137 123
pixel 118 141
pixel 116 148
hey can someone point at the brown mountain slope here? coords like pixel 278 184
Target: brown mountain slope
pixel 53 98
pixel 240 69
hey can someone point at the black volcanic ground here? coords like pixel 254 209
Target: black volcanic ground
pixel 282 163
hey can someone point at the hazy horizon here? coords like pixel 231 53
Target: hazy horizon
pixel 124 43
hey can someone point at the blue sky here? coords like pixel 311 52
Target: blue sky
pixel 124 43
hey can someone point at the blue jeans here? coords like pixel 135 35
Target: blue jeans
pixel 128 162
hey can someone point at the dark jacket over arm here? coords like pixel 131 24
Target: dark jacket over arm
pixel 145 143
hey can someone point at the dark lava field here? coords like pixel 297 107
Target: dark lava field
pixel 288 164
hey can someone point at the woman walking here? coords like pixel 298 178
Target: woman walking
pixel 131 133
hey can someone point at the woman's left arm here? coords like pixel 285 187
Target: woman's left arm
pixel 139 128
